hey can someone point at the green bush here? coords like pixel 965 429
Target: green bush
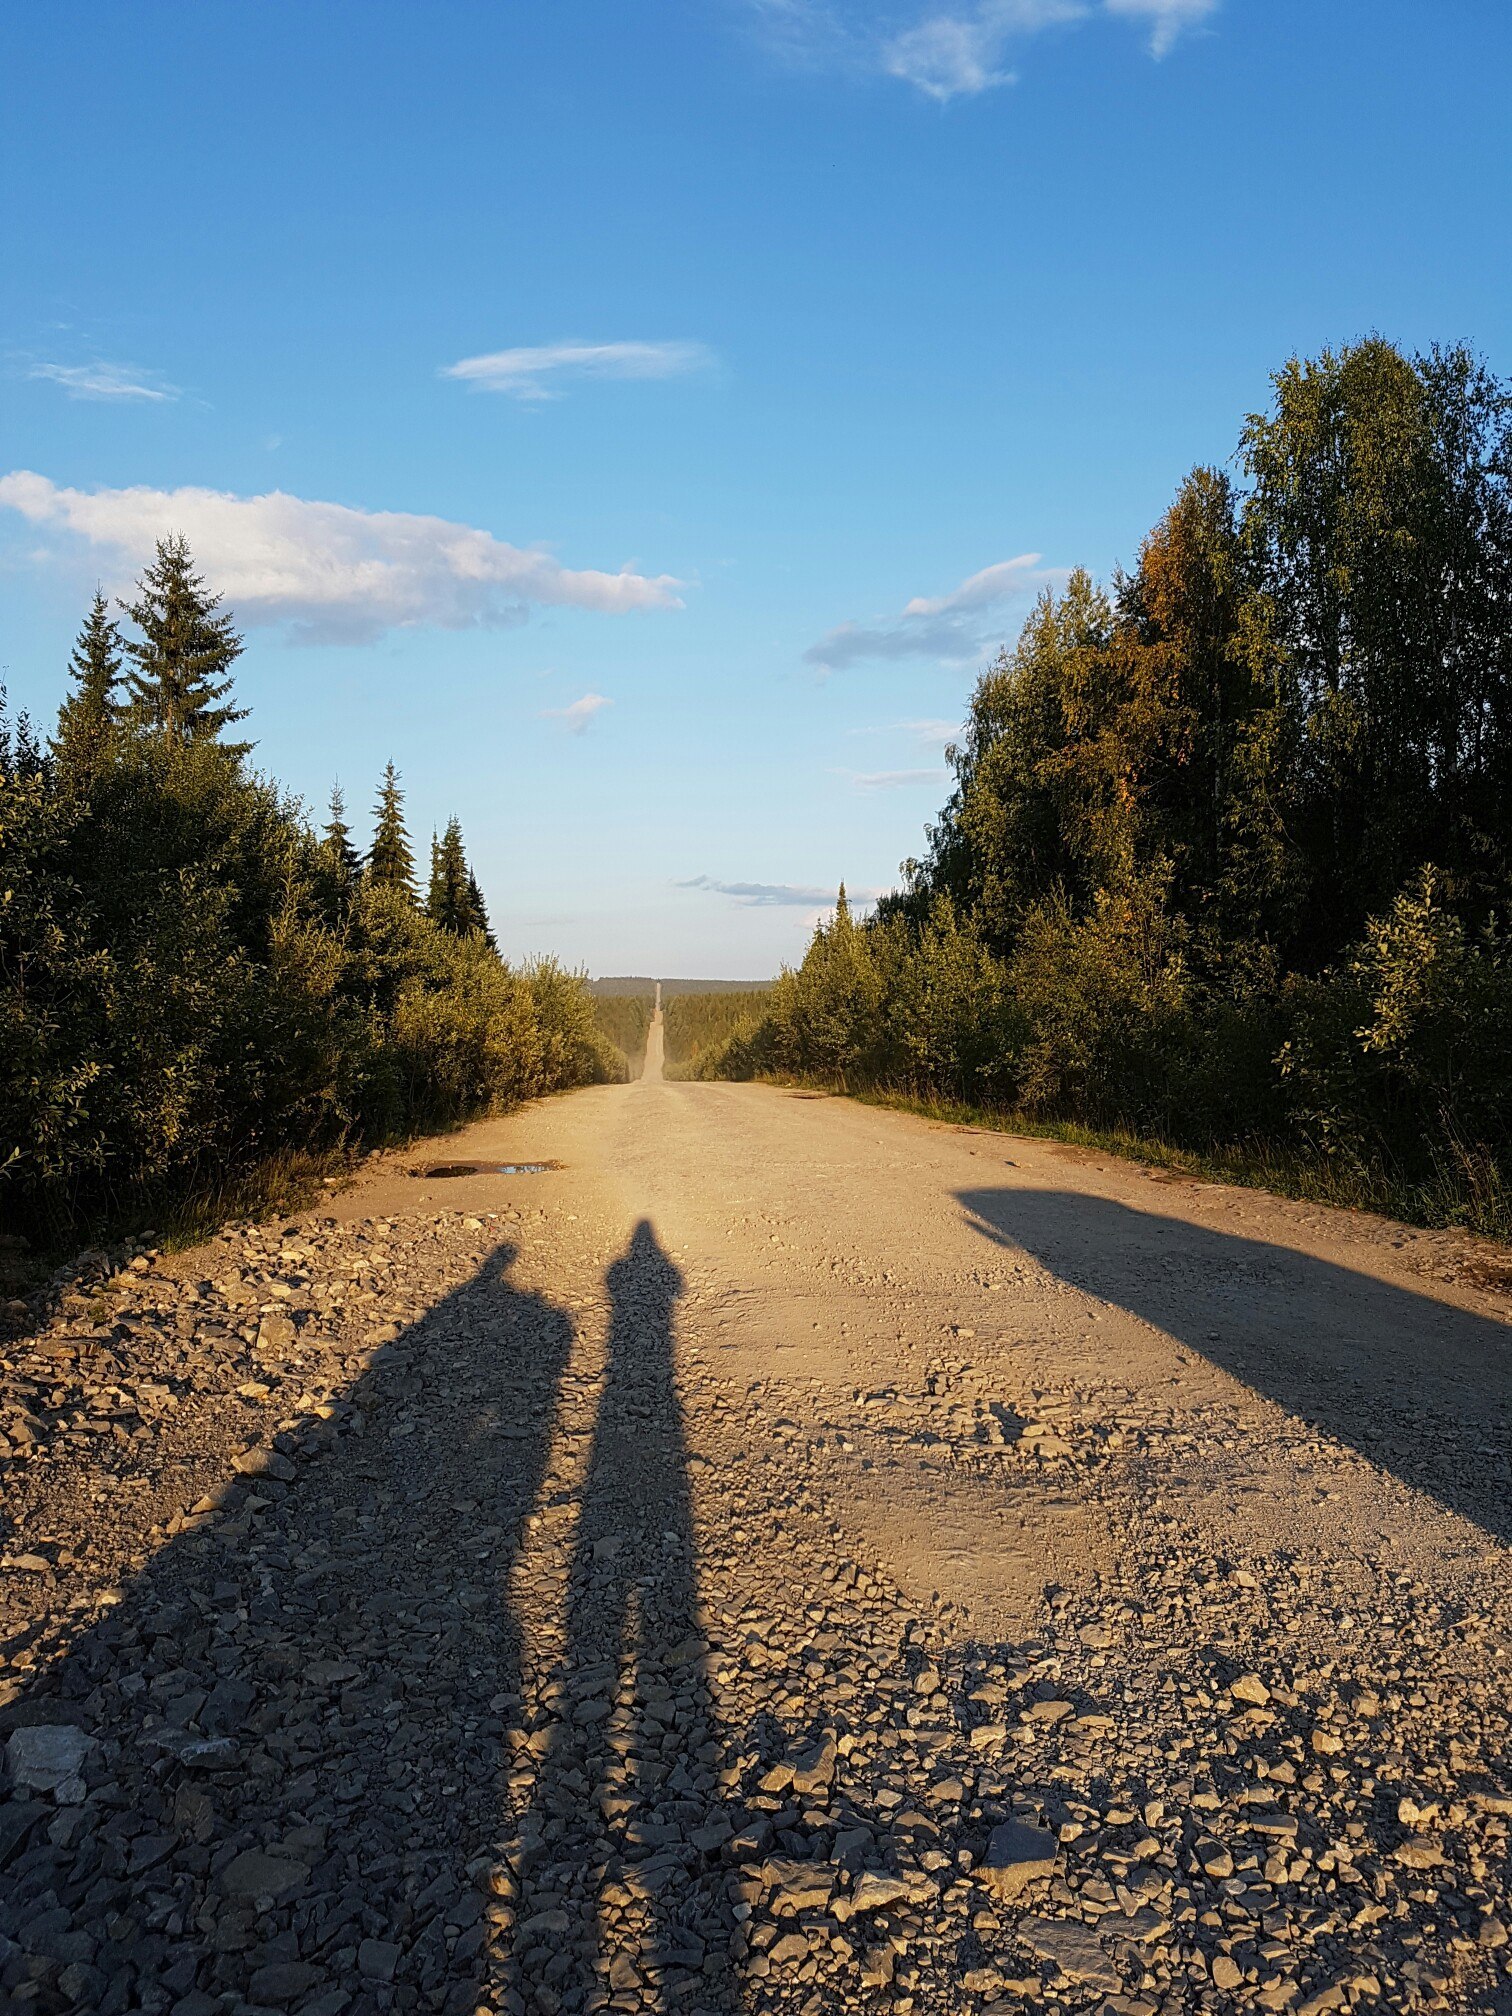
pixel 193 985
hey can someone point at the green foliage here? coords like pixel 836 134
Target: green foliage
pixel 1227 858
pixel 194 987
pixel 181 677
pixel 697 1028
pixel 88 715
pixel 342 859
pixel 449 902
pixel 391 859
pixel 455 902
pixel 623 1020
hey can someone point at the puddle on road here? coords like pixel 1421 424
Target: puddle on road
pixel 440 1169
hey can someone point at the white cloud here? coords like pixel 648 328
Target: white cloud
pixel 524 373
pixel 934 734
pixel 764 895
pixel 931 734
pixel 1167 18
pixel 951 56
pixel 106 381
pixel 949 627
pixel 336 574
pixel 894 780
pixel 579 713
pixel 945 55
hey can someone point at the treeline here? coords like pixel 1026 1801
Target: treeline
pixel 624 1019
pixel 195 985
pixel 1228 859
pixel 699 1027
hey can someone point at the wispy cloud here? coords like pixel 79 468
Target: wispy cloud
pixel 535 372
pixel 107 381
pixel 949 627
pixel 763 895
pixel 895 780
pixel 945 54
pixel 951 56
pixel 1167 19
pixel 930 734
pixel 334 573
pixel 577 716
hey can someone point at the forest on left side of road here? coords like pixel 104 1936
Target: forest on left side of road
pixel 201 994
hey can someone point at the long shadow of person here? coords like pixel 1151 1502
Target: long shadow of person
pixel 295 1714
pixel 621 1895
pixel 1416 1385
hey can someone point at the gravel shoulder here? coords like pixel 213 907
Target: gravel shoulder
pixel 786 1556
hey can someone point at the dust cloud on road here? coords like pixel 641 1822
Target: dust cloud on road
pixel 787 1557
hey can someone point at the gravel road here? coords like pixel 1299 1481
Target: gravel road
pixel 787 1556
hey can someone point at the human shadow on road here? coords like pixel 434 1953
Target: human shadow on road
pixel 297 1710
pixel 1419 1387
pixel 620 1888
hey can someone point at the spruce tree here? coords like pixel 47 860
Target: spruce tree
pixel 391 859
pixel 448 903
pixel 477 912
pixel 182 663
pixel 337 839
pixel 89 712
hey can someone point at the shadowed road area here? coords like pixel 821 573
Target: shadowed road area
pixel 654 1584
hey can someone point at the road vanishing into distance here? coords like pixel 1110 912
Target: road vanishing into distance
pixel 783 1555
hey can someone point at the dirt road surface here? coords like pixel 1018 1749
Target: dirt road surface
pixel 789 1556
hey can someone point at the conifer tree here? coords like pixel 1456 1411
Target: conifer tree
pixel 27 759
pixel 337 839
pixel 448 903
pixel 182 664
pixel 477 912
pixel 89 712
pixel 391 859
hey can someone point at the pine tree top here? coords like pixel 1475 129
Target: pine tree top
pixel 337 838
pixel 391 859
pixel 95 665
pixel 447 904
pixel 181 665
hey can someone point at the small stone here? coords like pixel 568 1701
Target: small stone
pixel 874 1892
pixel 377 1959
pixel 49 1757
pixel 1332 1997
pixel 877 1965
pixel 1251 1688
pixel 282 1980
pixel 254 1873
pixel 815 1767
pixel 275 1334
pixel 1227 1972
pixel 1018 1854
pixel 1047 1712
pixel 1072 1947
pixel 798 1886
pixel 265 1463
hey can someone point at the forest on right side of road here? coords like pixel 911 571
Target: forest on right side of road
pixel 1228 858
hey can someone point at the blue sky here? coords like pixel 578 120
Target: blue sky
pixel 642 422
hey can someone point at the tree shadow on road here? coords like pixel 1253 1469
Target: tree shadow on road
pixel 620 1891
pixel 1420 1388
pixel 298 1710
